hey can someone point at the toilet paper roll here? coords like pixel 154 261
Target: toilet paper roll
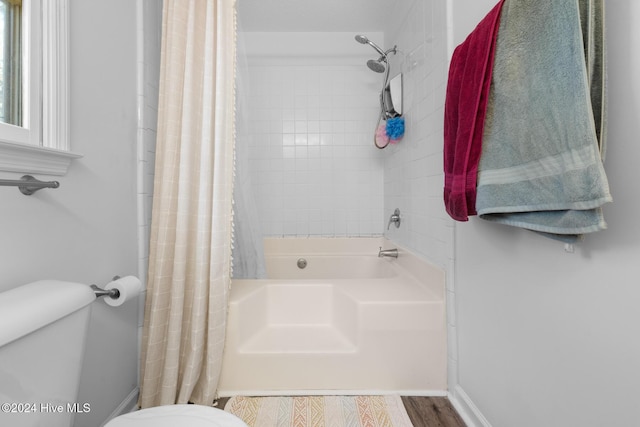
pixel 128 286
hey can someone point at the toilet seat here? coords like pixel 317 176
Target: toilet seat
pixel 177 415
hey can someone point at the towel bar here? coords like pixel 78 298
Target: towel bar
pixel 28 184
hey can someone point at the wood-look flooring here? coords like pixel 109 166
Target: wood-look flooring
pixel 431 412
pixel 422 411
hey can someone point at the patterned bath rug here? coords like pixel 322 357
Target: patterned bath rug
pixel 320 411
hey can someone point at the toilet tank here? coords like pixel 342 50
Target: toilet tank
pixel 43 328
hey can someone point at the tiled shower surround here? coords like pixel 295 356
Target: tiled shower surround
pixel 312 110
pixel 314 169
pixel 413 175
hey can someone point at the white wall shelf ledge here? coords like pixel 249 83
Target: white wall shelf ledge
pixel 26 158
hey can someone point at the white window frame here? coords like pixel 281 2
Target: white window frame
pixel 42 144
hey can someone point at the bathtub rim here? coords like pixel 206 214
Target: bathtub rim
pixel 420 269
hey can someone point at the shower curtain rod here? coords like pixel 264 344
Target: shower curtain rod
pixel 28 184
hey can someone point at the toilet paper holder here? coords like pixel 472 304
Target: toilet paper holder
pixel 111 293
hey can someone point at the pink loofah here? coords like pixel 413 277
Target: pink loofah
pixel 381 136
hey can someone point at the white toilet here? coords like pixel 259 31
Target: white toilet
pixel 43 327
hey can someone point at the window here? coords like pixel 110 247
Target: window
pixel 34 107
pixel 11 62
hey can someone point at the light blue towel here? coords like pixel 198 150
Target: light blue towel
pixel 541 164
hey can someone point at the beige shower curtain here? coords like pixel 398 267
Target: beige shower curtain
pixel 190 246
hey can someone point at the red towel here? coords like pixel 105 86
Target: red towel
pixel 464 111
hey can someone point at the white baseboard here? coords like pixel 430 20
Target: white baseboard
pixel 127 405
pixel 467 410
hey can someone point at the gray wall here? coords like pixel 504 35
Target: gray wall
pixel 548 338
pixel 85 231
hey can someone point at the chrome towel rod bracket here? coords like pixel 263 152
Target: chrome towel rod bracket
pixel 28 184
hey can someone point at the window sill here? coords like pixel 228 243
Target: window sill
pixel 31 159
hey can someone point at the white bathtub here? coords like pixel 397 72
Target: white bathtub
pixel 348 323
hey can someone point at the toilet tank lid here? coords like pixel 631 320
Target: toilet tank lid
pixel 29 307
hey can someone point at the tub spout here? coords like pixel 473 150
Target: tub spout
pixel 392 253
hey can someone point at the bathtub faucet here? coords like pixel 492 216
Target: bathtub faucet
pixel 393 253
pixel 395 218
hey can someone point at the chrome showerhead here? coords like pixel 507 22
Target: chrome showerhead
pixel 364 40
pixel 376 65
